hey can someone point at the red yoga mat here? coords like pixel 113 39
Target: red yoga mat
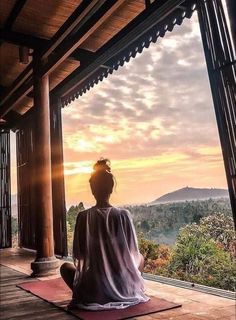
pixel 56 291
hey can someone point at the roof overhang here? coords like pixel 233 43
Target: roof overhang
pixel 97 38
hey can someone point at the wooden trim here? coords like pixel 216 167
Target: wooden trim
pixel 71 23
pixel 141 24
pixel 87 26
pixel 22 39
pixel 19 94
pixel 6 102
pixel 19 83
pixel 231 6
pixel 94 20
pixel 14 14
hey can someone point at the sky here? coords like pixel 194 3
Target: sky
pixel 153 118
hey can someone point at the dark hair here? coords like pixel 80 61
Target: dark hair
pixel 102 180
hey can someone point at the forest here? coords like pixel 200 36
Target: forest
pixel 161 222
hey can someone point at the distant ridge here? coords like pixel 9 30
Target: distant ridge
pixel 189 193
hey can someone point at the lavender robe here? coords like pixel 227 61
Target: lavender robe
pixel 107 258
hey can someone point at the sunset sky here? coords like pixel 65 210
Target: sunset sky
pixel 153 118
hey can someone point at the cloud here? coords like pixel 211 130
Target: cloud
pixel 156 105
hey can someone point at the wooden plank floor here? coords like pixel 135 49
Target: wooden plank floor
pixel 17 304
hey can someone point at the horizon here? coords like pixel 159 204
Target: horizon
pixel 139 203
pixel 153 118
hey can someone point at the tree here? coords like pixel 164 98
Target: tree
pixel 71 216
pixel 14 226
pixel 220 227
pixel 200 254
pixel 156 256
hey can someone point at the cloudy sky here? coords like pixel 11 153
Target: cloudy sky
pixel 153 118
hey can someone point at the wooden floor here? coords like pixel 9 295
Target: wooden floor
pixel 18 304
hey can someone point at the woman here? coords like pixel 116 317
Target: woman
pixel 105 251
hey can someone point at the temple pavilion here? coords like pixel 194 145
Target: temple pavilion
pixel 53 52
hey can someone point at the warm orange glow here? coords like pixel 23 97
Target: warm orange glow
pixel 141 180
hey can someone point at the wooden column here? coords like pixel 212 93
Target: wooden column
pixel 58 187
pixel 45 262
pixel 218 48
pixel 231 6
pixel 5 190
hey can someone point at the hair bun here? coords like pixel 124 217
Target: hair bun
pixel 102 165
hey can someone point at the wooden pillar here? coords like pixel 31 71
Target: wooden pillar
pixel 45 262
pixel 5 190
pixel 58 187
pixel 231 6
pixel 220 62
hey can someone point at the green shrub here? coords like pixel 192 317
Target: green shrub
pixel 201 254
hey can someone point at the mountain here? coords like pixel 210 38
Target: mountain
pixel 189 193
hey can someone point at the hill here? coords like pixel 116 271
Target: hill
pixel 189 193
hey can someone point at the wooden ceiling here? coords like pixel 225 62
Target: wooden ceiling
pixel 72 34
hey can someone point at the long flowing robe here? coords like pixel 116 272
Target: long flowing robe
pixel 107 258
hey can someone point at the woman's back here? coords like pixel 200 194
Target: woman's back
pixel 107 258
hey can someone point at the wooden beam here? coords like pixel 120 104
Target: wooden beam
pixel 16 97
pixel 25 40
pixel 156 12
pixel 77 17
pixel 231 6
pixel 14 14
pixel 83 55
pixel 94 19
pixel 87 24
pixel 147 3
pixel 80 54
pixel 19 88
pixel 36 43
pixel 4 126
pixel 22 39
pixel 12 119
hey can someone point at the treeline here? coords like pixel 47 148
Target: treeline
pixel 161 222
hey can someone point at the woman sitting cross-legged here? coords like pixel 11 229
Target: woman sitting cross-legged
pixel 107 262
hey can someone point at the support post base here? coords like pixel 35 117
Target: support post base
pixel 42 267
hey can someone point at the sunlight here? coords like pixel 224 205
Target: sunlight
pixel 72 168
